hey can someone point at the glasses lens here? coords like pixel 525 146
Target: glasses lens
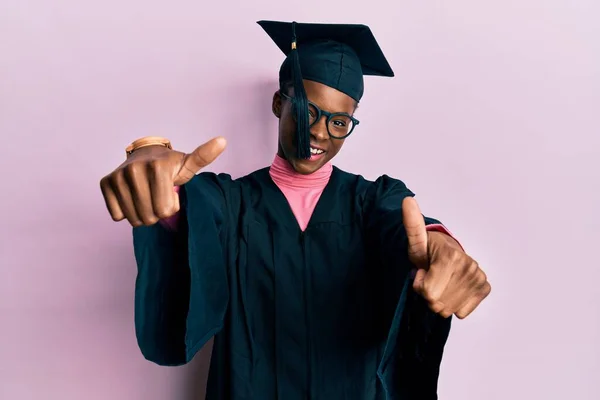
pixel 340 125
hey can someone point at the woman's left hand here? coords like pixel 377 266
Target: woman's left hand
pixel 449 279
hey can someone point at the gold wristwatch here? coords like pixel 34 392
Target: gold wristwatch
pixel 148 141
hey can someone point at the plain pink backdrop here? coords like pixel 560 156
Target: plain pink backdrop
pixel 492 119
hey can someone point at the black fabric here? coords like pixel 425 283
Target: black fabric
pixel 337 55
pixel 328 313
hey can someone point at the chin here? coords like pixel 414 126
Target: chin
pixel 305 167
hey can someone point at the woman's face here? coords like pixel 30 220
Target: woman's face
pixel 327 99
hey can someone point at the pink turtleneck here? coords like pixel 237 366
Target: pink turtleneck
pixel 301 191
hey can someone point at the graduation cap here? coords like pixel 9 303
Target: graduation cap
pixel 336 55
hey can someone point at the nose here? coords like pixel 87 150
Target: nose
pixel 319 129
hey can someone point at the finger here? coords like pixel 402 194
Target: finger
pixel 199 158
pixel 126 204
pixel 161 188
pixel 141 195
pixel 466 284
pixel 445 313
pixel 455 302
pixel 466 310
pixel 110 198
pixel 419 287
pixel 457 291
pixel 419 281
pixel 436 282
pixel 416 232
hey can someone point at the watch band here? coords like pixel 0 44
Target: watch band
pixel 148 141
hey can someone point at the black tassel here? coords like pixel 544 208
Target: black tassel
pixel 300 103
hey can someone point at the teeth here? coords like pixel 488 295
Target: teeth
pixel 315 151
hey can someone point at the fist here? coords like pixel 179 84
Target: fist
pixel 448 278
pixel 453 283
pixel 141 189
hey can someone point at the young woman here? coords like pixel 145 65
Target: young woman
pixel 302 272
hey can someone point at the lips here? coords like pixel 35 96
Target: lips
pixel 315 151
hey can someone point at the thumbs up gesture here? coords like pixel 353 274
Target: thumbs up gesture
pixel 141 189
pixel 450 280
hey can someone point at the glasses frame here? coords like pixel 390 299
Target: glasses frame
pixel 329 115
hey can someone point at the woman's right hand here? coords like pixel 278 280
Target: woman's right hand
pixel 141 189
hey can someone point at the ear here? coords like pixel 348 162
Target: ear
pixel 277 104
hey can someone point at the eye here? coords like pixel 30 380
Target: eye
pixel 339 123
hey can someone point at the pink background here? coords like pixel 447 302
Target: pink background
pixel 502 96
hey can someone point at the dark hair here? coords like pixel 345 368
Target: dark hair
pixel 285 87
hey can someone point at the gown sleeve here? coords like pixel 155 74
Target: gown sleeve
pixel 415 342
pixel 181 289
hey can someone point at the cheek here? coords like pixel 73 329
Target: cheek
pixel 337 145
pixel 286 131
pixel 287 125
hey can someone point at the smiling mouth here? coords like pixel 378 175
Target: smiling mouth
pixel 314 151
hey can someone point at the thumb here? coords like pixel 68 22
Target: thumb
pixel 416 232
pixel 198 159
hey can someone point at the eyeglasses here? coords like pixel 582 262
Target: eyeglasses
pixel 339 125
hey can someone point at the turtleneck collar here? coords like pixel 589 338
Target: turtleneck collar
pixel 283 174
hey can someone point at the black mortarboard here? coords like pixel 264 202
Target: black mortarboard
pixel 336 55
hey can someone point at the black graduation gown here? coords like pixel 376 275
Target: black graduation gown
pixel 328 313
